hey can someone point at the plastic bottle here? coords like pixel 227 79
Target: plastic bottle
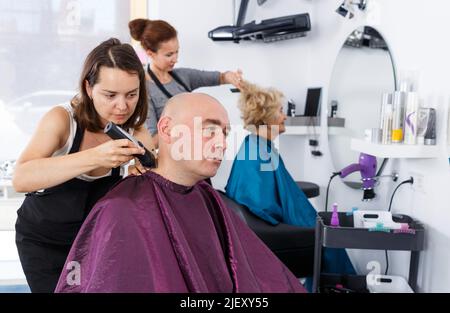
pixel 387 125
pixel 384 120
pixel 410 125
pixel 334 216
pixel 398 103
pixel 430 135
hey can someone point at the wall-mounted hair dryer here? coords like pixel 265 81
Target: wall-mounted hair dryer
pixel 367 166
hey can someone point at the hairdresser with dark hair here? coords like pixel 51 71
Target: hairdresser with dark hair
pixel 70 163
pixel 159 40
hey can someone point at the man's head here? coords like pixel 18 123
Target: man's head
pixel 192 136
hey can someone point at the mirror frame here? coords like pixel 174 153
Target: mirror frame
pixel 324 113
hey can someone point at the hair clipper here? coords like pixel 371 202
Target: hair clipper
pixel 115 132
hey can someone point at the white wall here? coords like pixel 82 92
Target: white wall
pixel 416 37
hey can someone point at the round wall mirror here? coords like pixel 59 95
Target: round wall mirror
pixel 363 71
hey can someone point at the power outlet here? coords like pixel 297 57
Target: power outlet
pixel 418 184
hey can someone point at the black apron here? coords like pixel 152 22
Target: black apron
pixel 168 94
pixel 49 221
pixel 161 86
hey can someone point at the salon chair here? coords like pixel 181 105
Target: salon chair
pixel 311 190
pixel 293 245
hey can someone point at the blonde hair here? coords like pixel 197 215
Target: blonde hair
pixel 258 105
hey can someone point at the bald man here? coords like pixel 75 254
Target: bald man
pixel 169 231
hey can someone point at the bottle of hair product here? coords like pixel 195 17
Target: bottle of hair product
pixel 410 124
pixel 398 103
pixel 422 124
pixel 387 125
pixel 386 99
pixel 334 216
pixel 430 135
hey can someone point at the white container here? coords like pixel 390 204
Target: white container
pixel 370 219
pixel 387 284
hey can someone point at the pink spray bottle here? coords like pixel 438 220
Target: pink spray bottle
pixel 334 216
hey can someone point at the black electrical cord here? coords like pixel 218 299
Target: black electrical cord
pixel 328 189
pixel 382 166
pixel 387 262
pixel 408 181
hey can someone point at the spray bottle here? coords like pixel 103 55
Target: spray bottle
pixel 334 216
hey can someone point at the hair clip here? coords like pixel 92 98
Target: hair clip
pixel 405 231
pixel 380 227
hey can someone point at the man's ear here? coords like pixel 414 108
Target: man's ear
pixel 164 129
pixel 88 88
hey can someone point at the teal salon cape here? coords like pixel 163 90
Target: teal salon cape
pixel 260 181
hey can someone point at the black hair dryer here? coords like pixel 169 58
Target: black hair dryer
pixel 115 132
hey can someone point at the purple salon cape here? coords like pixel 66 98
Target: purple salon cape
pixel 149 234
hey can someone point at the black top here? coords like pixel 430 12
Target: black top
pixel 55 214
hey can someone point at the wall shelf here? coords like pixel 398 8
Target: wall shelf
pixel 311 130
pixel 313 121
pixel 394 150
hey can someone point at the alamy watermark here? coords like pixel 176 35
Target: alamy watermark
pixel 73 277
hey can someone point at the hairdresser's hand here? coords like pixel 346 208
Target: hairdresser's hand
pixel 114 153
pixel 234 78
pixel 137 168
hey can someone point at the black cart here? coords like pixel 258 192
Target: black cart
pixel 347 236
